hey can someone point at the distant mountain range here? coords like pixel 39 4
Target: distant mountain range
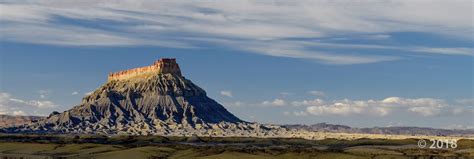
pixel 9 121
pixel 324 127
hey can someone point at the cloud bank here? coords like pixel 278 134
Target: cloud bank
pixel 14 106
pixel 418 106
pixel 421 107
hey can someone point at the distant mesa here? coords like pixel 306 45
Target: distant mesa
pixel 163 65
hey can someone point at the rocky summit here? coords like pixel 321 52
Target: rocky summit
pixel 150 100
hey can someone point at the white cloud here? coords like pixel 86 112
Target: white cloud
pixel 34 103
pixel 277 102
pixel 317 93
pixel 338 108
pixel 76 36
pixel 11 105
pixel 19 113
pixel 378 36
pixel 296 50
pixel 226 93
pixel 88 93
pixel 461 110
pixel 418 106
pixel 416 102
pixel 308 102
pixel 74 93
pixel 447 51
pixel 261 27
pixel 425 111
pixel 466 101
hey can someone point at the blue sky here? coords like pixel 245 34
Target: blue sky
pixel 371 63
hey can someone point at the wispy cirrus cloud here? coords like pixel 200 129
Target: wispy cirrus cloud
pixel 76 36
pixel 296 29
pixel 447 51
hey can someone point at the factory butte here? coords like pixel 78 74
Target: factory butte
pixel 151 100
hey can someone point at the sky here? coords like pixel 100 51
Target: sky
pixel 357 63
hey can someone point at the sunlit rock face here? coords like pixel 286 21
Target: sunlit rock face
pixel 161 66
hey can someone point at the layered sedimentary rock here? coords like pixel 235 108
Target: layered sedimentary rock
pixel 162 66
pixel 154 99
